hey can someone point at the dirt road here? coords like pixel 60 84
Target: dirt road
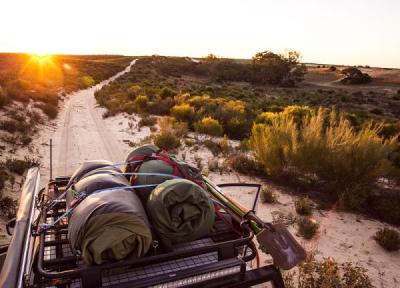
pixel 81 134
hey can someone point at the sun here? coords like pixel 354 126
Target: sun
pixel 41 57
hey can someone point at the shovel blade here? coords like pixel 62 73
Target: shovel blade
pixel 282 246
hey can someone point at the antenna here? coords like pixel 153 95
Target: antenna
pixel 51 159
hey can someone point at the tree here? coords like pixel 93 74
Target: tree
pixel 353 75
pixel 277 69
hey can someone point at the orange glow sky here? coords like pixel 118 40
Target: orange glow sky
pixel 357 32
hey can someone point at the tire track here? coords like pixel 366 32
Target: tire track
pixel 81 134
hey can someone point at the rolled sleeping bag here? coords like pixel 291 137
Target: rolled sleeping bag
pixel 95 181
pixel 180 211
pixel 86 167
pixel 151 166
pixel 110 225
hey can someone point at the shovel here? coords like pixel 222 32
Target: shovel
pixel 274 239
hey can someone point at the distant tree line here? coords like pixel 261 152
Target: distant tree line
pixel 265 68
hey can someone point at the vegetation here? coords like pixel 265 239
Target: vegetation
pixel 327 273
pixel 209 126
pixel 30 85
pixel 324 148
pixel 170 131
pixel 245 165
pixel 303 206
pixel 18 166
pixel 8 207
pixel 147 120
pixel 355 76
pixel 388 239
pixel 307 227
pixel 268 196
pixel 344 151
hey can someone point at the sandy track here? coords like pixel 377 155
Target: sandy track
pixel 81 134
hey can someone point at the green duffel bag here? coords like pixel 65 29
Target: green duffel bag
pixel 180 211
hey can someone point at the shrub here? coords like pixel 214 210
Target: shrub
pixel 8 207
pixel 245 165
pixel 355 76
pixel 266 118
pixel 213 147
pixel 134 91
pixel 141 103
pixel 307 227
pixel 388 239
pixel 224 145
pixel 325 146
pixel 209 126
pixel 303 206
pixel 180 128
pixel 147 120
pixel 4 100
pixel 48 109
pixel 8 125
pixel 88 81
pixel 268 195
pixel 18 166
pixel 299 114
pixel 167 140
pixel 166 92
pixel 327 273
pixel 332 68
pixel 183 112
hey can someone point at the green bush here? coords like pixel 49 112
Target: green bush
pixel 147 120
pixel 50 110
pixel 134 91
pixel 166 92
pixel 303 206
pixel 266 118
pixel 209 126
pixel 268 196
pixel 167 140
pixel 326 146
pixel 245 165
pixel 299 114
pixel 183 112
pixel 4 100
pixel 18 166
pixel 388 239
pixel 307 227
pixel 8 207
pixel 355 76
pixel 141 103
pixel 327 274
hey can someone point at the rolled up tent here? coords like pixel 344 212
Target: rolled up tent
pixel 180 211
pixel 86 167
pixel 110 225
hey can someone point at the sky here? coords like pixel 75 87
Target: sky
pixel 356 32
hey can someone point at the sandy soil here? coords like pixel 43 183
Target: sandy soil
pixel 80 133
